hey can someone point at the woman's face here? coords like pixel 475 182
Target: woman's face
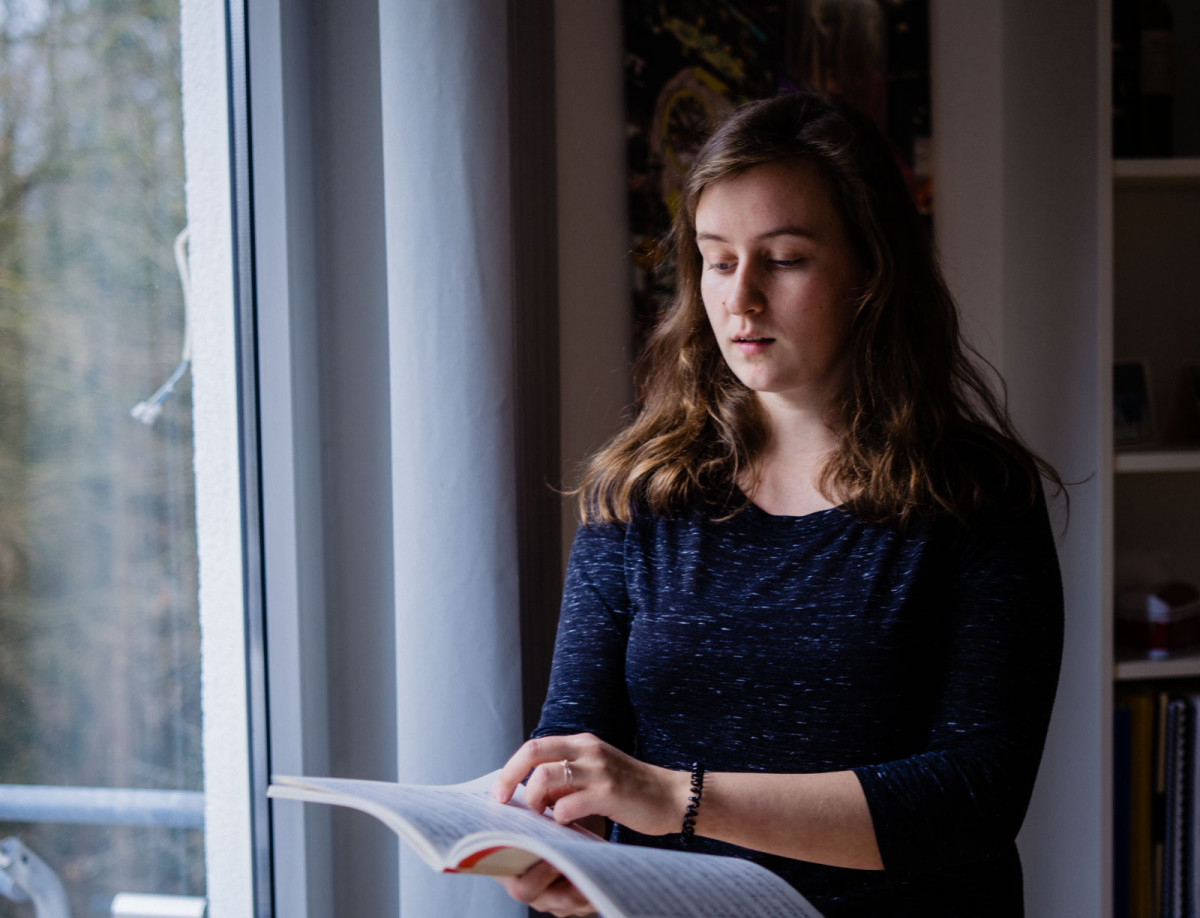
pixel 778 279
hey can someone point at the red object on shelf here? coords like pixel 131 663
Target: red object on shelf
pixel 1161 623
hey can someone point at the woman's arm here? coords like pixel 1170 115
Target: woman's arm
pixel 821 818
pixel 964 796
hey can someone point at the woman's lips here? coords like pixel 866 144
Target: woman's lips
pixel 752 344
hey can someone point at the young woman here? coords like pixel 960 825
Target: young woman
pixel 815 573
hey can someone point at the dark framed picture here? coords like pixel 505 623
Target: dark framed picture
pixel 688 63
pixel 1132 420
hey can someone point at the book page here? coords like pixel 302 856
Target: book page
pixel 624 881
pixel 446 825
pixel 431 818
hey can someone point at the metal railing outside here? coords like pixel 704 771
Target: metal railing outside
pixel 24 877
pixel 103 806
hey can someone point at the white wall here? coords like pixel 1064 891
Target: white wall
pixel 1018 124
pixel 595 318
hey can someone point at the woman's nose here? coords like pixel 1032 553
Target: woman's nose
pixel 746 295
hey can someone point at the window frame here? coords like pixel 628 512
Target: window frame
pixel 248 413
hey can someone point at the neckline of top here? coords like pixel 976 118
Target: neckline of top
pixel 758 514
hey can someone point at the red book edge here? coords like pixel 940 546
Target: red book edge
pixel 471 860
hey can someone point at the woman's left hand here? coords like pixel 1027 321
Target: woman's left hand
pixel 581 775
pixel 544 889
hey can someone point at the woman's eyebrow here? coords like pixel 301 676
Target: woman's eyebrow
pixel 769 234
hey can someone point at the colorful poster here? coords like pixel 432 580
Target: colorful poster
pixel 688 62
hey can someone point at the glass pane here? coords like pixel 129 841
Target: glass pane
pixel 99 633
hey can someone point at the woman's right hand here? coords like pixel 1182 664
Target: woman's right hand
pixel 543 888
pixel 580 775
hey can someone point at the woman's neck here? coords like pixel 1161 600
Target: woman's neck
pixel 789 475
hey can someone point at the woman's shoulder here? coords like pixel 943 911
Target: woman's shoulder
pixel 1009 516
pixel 612 528
pixel 640 513
pixel 995 473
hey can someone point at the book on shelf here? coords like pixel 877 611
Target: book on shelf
pixel 1174 809
pixel 1134 867
pixel 1122 807
pixel 462 828
pixel 1192 830
pixel 1156 821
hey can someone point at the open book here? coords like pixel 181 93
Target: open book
pixel 461 828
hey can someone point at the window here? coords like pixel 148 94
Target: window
pixel 101 767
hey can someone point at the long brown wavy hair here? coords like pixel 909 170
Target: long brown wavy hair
pixel 917 414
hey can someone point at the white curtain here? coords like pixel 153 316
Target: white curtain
pixel 446 190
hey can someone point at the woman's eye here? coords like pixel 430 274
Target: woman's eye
pixel 721 266
pixel 787 262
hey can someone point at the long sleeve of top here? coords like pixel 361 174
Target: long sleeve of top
pixel 926 661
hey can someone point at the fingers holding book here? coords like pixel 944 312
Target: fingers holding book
pixel 545 889
pixel 581 775
pixel 547 769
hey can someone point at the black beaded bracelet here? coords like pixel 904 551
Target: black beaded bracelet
pixel 689 815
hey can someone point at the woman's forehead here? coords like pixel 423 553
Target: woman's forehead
pixel 783 197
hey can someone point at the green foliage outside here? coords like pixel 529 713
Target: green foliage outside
pixel 99 634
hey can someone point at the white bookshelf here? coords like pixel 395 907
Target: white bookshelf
pixel 1153 495
pixel 1163 460
pixel 1175 170
pixel 1129 670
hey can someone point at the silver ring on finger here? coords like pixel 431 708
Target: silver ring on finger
pixel 568 775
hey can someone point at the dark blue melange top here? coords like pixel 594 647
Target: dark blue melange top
pixel 925 661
